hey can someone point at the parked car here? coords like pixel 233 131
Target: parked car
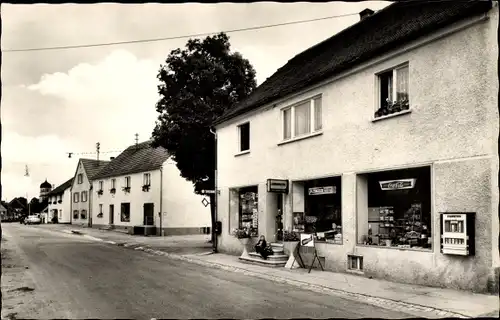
pixel 33 219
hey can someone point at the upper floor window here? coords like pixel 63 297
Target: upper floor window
pixel 127 182
pixel 101 185
pixel 80 178
pixel 76 197
pixel 147 179
pixel 84 196
pixel 302 118
pixel 393 91
pixel 113 182
pixel 244 137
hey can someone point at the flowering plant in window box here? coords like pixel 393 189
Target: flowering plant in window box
pixel 126 189
pixel 112 190
pixel 391 107
pixel 241 233
pixel 145 187
pixel 290 236
pixel 60 201
pixel 100 215
pixel 100 192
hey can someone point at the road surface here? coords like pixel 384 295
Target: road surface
pixel 73 277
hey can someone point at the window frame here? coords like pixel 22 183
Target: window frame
pixel 79 178
pixel 113 183
pixel 76 197
pixel 378 89
pixel 101 185
pixel 83 193
pixel 127 182
pixel 146 179
pixel 239 127
pixel 83 214
pixel 76 214
pixel 122 205
pixel 312 119
pixel 100 208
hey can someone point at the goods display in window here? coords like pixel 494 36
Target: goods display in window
pixel 298 222
pixel 249 212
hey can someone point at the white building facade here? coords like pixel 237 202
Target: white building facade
pixel 372 181
pixel 123 198
pixel 60 203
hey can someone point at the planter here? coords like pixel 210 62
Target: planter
pixel 291 249
pixel 245 242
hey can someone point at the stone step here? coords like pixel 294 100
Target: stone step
pixel 277 244
pixel 273 257
pixel 262 262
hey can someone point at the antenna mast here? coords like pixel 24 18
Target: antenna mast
pixel 136 140
pixel 97 146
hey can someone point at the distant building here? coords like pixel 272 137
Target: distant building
pixel 3 212
pixel 60 202
pixel 45 188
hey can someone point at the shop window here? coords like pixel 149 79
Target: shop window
pixel 75 214
pixel 244 134
pixel 249 209
pixel 83 214
pixel 394 208
pixel 322 214
pixel 125 212
pixel 393 91
pixel 302 119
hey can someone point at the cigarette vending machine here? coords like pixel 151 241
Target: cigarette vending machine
pixel 458 233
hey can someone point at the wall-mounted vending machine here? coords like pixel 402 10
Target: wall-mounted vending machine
pixel 457 233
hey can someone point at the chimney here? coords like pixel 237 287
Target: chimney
pixel 111 158
pixel 365 13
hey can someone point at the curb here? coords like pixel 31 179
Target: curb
pixel 414 309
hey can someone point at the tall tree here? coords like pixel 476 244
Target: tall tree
pixel 197 85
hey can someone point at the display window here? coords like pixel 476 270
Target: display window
pixel 249 210
pixel 399 209
pixel 322 210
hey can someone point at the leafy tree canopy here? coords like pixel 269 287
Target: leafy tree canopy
pixel 197 84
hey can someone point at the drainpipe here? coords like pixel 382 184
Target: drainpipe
pixel 161 199
pixel 89 198
pixel 215 240
pixel 71 206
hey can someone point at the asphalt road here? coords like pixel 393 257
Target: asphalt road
pixel 78 278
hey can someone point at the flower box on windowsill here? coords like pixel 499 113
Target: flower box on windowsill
pixel 112 190
pixel 60 201
pixel 100 215
pixel 145 187
pixel 54 202
pixel 126 189
pixel 100 192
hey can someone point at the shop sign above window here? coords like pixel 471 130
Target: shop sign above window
pixel 397 184
pixel 275 185
pixel 322 190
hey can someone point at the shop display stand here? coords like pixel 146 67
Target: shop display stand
pixel 315 258
pixel 301 263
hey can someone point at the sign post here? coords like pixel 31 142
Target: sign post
pixel 307 240
pixel 276 185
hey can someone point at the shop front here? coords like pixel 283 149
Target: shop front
pixel 396 209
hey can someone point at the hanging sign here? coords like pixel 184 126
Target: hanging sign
pixel 397 184
pixel 276 185
pixel 322 190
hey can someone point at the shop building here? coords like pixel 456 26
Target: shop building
pixel 142 191
pixel 376 181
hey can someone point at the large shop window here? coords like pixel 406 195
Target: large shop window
pixel 322 210
pixel 396 210
pixel 249 209
pixel 125 212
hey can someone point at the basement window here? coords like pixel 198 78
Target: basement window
pixel 354 262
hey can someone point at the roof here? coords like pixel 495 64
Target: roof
pixel 60 189
pixel 45 184
pixel 2 208
pixel 135 159
pixel 93 167
pixel 386 29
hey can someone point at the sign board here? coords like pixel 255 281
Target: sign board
pixel 205 202
pixel 307 240
pixel 207 191
pixel 276 185
pixel 397 184
pixel 322 190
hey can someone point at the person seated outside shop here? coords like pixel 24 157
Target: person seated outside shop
pixel 262 248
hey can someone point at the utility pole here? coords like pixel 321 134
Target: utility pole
pixel 27 175
pixel 98 147
pixel 214 221
pixel 136 140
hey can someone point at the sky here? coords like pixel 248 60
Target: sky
pixel 59 101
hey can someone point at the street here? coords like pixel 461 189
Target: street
pixel 73 277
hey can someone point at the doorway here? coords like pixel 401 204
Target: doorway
pixel 279 217
pixel 111 214
pixel 149 214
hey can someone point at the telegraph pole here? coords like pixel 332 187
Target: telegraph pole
pixel 27 175
pixel 98 147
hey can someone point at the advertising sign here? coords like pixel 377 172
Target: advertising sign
pixel 307 240
pixel 397 184
pixel 322 190
pixel 275 185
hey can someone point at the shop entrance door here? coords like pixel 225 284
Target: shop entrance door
pixel 111 214
pixel 149 214
pixel 279 217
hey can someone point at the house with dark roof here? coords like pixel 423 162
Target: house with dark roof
pixel 371 141
pixel 142 190
pixel 59 201
pixel 81 186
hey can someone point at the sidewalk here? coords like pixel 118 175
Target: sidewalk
pixel 417 300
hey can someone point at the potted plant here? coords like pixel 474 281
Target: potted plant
pixel 145 188
pixel 112 190
pixel 60 201
pixel 291 241
pixel 100 192
pixel 244 236
pixel 126 189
